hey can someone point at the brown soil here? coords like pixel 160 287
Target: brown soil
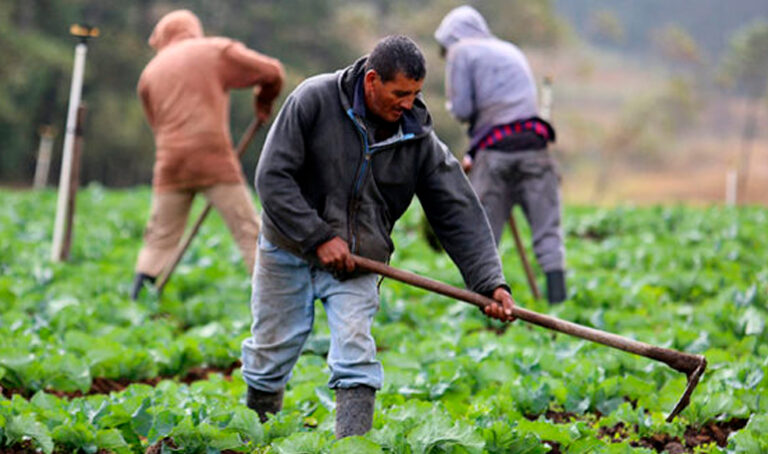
pixel 712 432
pixel 101 385
pixel 27 447
pixel 555 447
pixel 557 417
pixel 590 235
pixel 157 448
pixel 19 448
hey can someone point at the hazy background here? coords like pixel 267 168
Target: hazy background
pixel 654 100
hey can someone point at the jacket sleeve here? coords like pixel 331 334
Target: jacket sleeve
pixel 277 179
pixel 459 85
pixel 458 219
pixel 246 68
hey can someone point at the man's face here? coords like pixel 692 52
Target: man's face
pixel 388 100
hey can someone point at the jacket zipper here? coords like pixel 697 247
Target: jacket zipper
pixel 358 183
pixel 367 155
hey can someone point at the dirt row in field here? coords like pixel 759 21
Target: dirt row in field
pixel 101 385
pixel 712 432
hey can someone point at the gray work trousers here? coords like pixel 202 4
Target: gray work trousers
pixel 503 179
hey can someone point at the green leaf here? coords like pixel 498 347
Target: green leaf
pixel 69 373
pixel 502 438
pixel 111 439
pixel 218 438
pixel 186 437
pixel 438 430
pixel 21 426
pixel 245 422
pixel 143 420
pixel 17 368
pixel 545 431
pixel 75 437
pixel 152 425
pixel 301 443
pixel 753 321
pixel 163 424
pixel 357 445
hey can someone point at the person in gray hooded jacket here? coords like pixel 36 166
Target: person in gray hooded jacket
pixel 341 163
pixel 490 86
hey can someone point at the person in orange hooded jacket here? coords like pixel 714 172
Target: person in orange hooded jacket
pixel 184 92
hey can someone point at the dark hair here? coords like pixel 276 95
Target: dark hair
pixel 394 54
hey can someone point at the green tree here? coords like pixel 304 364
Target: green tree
pixel 746 66
pixel 605 25
pixel 677 45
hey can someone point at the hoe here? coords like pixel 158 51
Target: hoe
pixel 692 365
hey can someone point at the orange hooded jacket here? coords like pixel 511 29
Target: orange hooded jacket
pixel 184 93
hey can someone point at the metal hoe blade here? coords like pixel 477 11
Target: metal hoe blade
pixel 693 381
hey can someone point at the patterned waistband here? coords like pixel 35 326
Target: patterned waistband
pixel 536 125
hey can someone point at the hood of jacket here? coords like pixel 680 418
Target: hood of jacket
pixel 174 27
pixel 416 121
pixel 461 23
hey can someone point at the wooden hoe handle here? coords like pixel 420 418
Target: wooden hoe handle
pixel 692 365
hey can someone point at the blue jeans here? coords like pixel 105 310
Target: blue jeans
pixel 282 304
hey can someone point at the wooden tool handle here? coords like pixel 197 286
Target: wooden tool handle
pixel 681 361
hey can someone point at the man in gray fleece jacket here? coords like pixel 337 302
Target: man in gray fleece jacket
pixel 342 162
pixel 490 86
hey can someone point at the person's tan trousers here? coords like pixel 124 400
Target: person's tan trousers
pixel 168 219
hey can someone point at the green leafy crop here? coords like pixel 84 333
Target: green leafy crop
pixel 693 279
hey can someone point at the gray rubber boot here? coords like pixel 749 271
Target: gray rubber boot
pixel 556 292
pixel 138 284
pixel 354 410
pixel 263 402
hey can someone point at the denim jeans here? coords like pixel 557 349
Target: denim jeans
pixel 285 288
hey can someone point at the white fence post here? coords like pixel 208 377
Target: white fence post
pixel 65 177
pixel 43 157
pixel 731 187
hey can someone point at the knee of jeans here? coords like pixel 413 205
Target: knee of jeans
pixel 355 339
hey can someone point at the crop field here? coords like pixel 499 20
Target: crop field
pixel 84 369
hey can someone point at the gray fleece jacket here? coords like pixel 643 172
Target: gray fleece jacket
pixel 488 81
pixel 319 177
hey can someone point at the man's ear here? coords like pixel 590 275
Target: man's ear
pixel 368 82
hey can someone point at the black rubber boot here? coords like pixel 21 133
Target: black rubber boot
pixel 138 284
pixel 556 287
pixel 354 410
pixel 264 403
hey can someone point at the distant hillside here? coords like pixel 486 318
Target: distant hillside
pixel 709 22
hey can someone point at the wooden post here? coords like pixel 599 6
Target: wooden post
pixel 731 187
pixel 65 177
pixel 43 157
pixel 747 138
pixel 74 183
pixel 546 98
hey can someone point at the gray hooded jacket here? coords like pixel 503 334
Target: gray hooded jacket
pixel 488 81
pixel 319 177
